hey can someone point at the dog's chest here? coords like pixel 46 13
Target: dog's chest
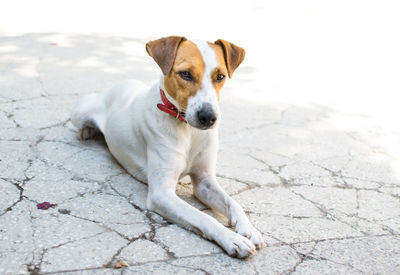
pixel 196 145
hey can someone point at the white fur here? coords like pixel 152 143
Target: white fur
pixel 207 94
pixel 158 149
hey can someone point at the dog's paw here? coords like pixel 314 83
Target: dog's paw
pixel 86 133
pixel 236 245
pixel 247 230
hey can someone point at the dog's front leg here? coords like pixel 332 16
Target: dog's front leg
pixel 208 191
pixel 163 200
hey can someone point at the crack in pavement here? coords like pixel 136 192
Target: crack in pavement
pixel 19 185
pixel 154 225
pixel 10 116
pixel 265 125
pixel 325 213
pixel 37 266
pixel 249 185
pixel 190 268
pixel 303 257
pixel 58 124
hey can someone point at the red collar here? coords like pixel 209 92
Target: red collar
pixel 170 108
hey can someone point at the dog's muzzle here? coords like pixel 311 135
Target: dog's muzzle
pixel 206 116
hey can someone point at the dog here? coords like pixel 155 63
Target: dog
pixel 163 133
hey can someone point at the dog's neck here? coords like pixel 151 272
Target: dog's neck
pixel 170 98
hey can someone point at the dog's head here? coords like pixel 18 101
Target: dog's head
pixel 194 73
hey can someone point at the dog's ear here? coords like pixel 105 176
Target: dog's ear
pixel 163 51
pixel 233 55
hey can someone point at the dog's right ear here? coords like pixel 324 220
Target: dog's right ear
pixel 163 51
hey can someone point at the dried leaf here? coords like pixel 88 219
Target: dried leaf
pixel 121 264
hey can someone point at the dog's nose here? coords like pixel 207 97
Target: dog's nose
pixel 206 115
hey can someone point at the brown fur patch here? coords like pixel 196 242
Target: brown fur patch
pixel 233 54
pixel 188 58
pixel 163 51
pixel 221 68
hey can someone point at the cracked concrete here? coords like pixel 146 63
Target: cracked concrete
pixel 325 196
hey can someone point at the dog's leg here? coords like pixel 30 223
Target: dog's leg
pixel 208 191
pixel 163 200
pixel 88 116
pixel 88 132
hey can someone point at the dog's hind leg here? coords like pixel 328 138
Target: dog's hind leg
pixel 89 116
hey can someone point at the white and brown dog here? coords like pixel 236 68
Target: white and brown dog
pixel 162 133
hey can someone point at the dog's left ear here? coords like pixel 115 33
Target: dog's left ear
pixel 164 50
pixel 233 54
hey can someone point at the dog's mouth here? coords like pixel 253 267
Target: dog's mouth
pixel 202 127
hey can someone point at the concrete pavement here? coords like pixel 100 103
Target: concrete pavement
pixel 323 186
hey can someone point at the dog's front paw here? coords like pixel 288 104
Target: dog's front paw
pixel 247 230
pixel 235 245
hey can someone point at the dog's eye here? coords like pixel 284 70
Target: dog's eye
pixel 220 77
pixel 185 75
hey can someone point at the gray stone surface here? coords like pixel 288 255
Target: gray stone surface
pixel 321 185
pixel 142 251
pixel 181 242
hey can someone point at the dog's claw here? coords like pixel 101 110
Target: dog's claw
pixel 247 230
pixel 261 245
pixel 236 245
